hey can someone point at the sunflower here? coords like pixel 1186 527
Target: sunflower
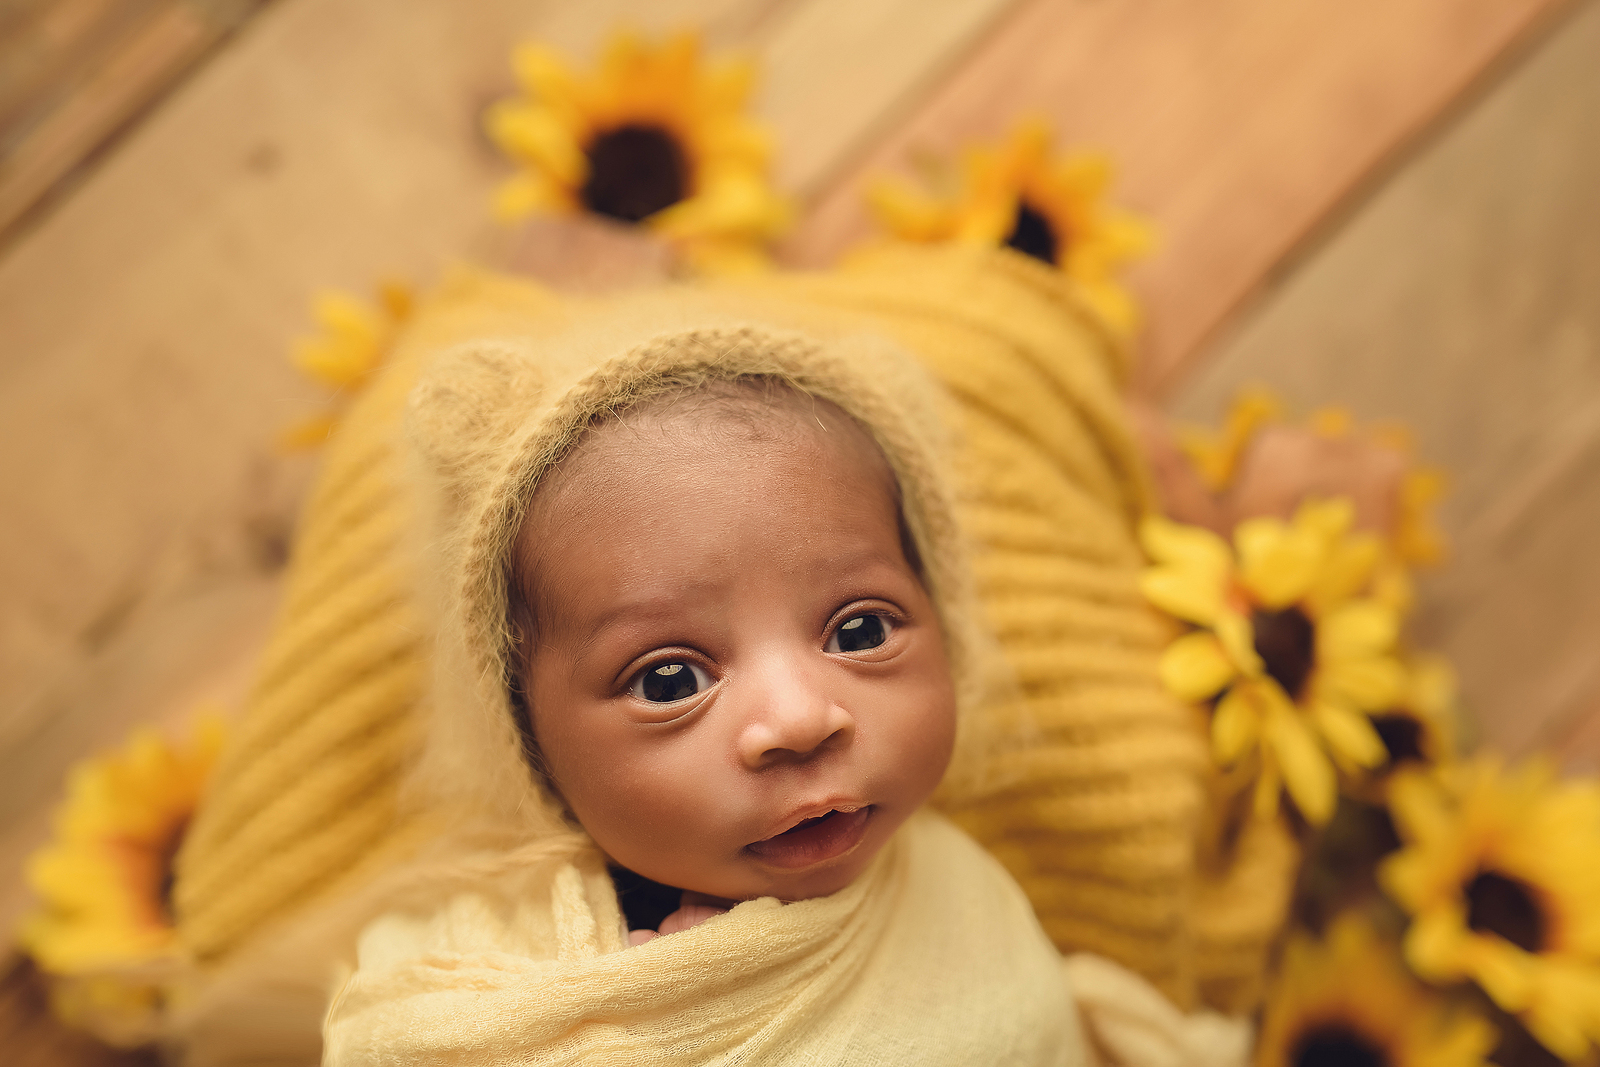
pixel 1500 873
pixel 1215 454
pixel 653 137
pixel 1017 194
pixel 1348 1002
pixel 1413 539
pixel 1419 728
pixel 356 337
pixel 1293 658
pixel 104 922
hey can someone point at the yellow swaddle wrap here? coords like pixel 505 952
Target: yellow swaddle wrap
pixel 932 957
pixel 1075 770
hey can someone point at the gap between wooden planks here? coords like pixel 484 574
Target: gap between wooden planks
pixel 1236 125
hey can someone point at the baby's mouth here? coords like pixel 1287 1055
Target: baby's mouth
pixel 816 840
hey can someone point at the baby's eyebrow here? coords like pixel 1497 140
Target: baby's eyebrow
pixel 643 610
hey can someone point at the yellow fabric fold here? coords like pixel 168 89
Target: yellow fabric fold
pixel 932 957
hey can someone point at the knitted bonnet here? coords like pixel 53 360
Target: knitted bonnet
pixel 489 419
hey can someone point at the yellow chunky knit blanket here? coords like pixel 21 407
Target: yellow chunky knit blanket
pixel 1075 770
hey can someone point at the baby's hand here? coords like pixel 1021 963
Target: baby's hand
pixel 695 909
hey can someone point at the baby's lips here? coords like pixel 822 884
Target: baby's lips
pixel 814 840
pixel 812 812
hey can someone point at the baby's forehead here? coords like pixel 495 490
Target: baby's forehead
pixel 735 444
pixel 730 419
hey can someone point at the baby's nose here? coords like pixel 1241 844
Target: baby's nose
pixel 791 717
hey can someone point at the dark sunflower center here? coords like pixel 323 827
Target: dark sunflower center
pixel 1402 736
pixel 1032 235
pixel 1505 906
pixel 634 172
pixel 167 870
pixel 1334 1045
pixel 1286 641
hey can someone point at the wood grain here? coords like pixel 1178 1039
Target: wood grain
pixel 1236 125
pixel 81 71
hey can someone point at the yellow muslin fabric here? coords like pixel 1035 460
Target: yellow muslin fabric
pixel 1076 770
pixel 932 957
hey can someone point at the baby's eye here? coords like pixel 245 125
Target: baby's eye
pixel 666 682
pixel 859 634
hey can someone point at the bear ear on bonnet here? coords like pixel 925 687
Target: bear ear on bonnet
pixel 469 404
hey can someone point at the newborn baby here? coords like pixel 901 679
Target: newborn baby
pixel 733 674
pixel 703 640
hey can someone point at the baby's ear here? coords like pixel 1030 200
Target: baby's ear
pixel 469 403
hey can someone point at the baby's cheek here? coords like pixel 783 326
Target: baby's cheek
pixel 924 736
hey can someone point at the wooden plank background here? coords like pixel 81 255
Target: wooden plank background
pixel 1464 300
pixel 143 319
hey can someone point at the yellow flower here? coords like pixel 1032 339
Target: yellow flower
pixel 103 925
pixel 1348 1002
pixel 355 339
pixel 1419 729
pixel 1018 195
pixel 1500 873
pixel 1414 540
pixel 1293 657
pixel 654 136
pixel 1216 454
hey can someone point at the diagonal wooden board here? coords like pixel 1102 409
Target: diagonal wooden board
pixel 1236 125
pixel 1461 300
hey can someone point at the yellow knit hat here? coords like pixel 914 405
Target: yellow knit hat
pixel 490 418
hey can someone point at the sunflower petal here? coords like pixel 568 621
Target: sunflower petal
pixel 527 194
pixel 1182 594
pixel 728 84
pixel 1238 641
pixel 1235 726
pixel 1557 1031
pixel 1277 562
pixel 1191 582
pixel 1307 774
pixel 1329 519
pixel 1187 546
pixel 1195 667
pixel 1503 970
pixel 1370 683
pixel 537 137
pixel 1433 946
pixel 1407 877
pixel 1346 570
pixel 1419 807
pixel 1360 627
pixel 1349 734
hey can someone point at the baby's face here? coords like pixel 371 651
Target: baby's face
pixel 737 681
